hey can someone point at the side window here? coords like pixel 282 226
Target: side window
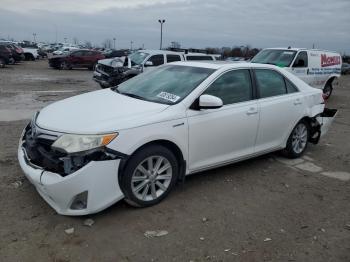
pixel 172 58
pixel 78 53
pixel 290 87
pixel 232 87
pixel 157 60
pixel 198 58
pixel 301 60
pixel 270 83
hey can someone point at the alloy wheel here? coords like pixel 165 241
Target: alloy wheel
pixel 299 138
pixel 151 178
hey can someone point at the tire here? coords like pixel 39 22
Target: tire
pixel 327 90
pixel 298 140
pixel 143 187
pixel 65 65
pixel 2 62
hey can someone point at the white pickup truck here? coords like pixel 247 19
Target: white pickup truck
pixel 113 71
pixel 318 68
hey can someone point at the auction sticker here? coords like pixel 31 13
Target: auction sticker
pixel 167 96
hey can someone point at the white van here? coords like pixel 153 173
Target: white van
pixel 318 68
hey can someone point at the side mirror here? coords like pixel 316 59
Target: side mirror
pixel 149 63
pixel 209 102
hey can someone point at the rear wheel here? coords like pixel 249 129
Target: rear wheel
pixel 2 62
pixel 327 90
pixel 65 65
pixel 149 176
pixel 297 141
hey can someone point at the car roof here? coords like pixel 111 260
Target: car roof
pixel 153 52
pixel 222 64
pixel 299 49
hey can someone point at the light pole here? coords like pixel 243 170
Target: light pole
pixel 114 42
pixel 131 42
pixel 161 21
pixel 34 35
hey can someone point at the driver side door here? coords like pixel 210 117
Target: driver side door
pixel 218 136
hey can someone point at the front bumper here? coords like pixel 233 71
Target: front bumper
pixel 98 178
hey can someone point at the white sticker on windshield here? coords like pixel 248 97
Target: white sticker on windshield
pixel 288 52
pixel 167 96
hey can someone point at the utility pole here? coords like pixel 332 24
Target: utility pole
pixel 114 42
pixel 161 21
pixel 34 35
pixel 131 42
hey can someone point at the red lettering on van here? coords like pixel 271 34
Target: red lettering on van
pixel 329 60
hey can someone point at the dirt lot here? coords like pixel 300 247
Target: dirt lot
pixel 264 209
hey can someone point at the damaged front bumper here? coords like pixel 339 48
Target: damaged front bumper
pixel 77 189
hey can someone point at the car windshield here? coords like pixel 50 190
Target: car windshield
pixel 137 58
pixel 277 57
pixel 166 85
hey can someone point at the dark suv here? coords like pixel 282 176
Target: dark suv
pixel 76 59
pixel 5 55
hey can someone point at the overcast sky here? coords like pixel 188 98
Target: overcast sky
pixel 193 23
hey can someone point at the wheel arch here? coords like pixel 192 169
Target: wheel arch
pixel 173 147
pixel 330 80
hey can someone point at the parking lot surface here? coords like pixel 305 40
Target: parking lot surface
pixel 264 209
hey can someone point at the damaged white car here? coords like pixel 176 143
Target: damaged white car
pixel 136 141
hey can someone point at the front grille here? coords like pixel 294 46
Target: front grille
pixel 38 149
pixel 105 68
pixel 37 145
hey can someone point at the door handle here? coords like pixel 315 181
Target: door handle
pixel 252 111
pixel 297 102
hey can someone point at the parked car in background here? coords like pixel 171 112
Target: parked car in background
pixel 318 68
pixel 65 50
pixel 82 58
pixel 235 59
pixel 345 68
pixel 200 57
pixel 16 51
pixel 30 53
pixel 5 56
pixel 87 152
pixel 111 72
pixel 111 53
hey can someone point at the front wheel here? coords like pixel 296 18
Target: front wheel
pixel 149 176
pixel 297 141
pixel 2 63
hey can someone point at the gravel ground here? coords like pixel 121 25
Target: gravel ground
pixel 264 209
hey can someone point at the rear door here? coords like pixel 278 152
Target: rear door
pixel 217 136
pixel 281 107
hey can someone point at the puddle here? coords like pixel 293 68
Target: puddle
pixel 344 176
pixel 19 107
pixel 310 167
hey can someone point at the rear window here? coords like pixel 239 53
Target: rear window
pixel 172 58
pixel 199 58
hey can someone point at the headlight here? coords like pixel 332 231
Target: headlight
pixel 77 143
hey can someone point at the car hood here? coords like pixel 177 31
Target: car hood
pixel 98 112
pixel 114 62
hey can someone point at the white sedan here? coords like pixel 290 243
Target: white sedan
pixel 135 141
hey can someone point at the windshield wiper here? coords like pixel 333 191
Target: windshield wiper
pixel 132 95
pixel 115 89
